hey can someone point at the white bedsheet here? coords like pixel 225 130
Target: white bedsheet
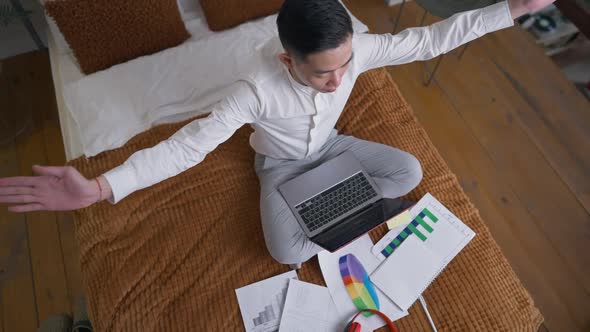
pixel 104 110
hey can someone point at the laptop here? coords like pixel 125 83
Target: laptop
pixel 338 201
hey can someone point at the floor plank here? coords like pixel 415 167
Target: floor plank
pixel 17 298
pixel 71 258
pixel 543 329
pixel 44 239
pixel 560 127
pixel 56 156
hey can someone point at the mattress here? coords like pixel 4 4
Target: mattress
pixel 69 130
pixel 168 258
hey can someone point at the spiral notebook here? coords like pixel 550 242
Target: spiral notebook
pixel 420 252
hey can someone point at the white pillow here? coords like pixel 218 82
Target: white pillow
pixel 189 6
pixel 113 105
pixel 60 42
pixel 190 9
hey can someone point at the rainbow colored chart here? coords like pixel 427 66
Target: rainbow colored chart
pixel 359 287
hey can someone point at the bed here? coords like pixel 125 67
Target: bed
pixel 169 257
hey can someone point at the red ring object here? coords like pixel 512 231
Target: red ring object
pixel 355 327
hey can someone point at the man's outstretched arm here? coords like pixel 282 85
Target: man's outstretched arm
pixel 64 188
pixel 424 43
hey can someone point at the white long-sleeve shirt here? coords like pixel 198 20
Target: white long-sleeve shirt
pixel 290 120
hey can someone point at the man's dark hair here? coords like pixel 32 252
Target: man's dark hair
pixel 311 26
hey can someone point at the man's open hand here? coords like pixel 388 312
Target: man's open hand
pixel 521 7
pixel 55 188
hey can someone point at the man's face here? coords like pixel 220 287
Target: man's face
pixel 324 70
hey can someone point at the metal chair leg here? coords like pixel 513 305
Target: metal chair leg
pixel 430 76
pixel 423 17
pixel 462 51
pixel 399 14
pixel 16 4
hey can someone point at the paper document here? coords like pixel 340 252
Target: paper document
pixel 403 276
pixel 309 307
pixel 421 250
pixel 261 303
pixel 361 248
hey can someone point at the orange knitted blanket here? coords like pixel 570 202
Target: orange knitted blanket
pixel 169 257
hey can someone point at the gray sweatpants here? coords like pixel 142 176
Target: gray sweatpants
pixel 396 173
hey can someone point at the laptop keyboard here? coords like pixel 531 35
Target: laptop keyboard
pixel 336 201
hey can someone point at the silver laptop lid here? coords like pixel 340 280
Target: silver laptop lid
pixel 320 179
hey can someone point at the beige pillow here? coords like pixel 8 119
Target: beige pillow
pixel 103 33
pixel 223 14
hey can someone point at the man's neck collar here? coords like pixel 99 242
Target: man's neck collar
pixel 295 77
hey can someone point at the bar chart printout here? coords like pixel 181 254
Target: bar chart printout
pixel 271 311
pixel 419 226
pixel 433 238
pixel 261 303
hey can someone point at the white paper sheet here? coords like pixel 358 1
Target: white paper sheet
pixel 414 264
pixel 406 272
pixel 261 303
pixel 361 248
pixel 309 307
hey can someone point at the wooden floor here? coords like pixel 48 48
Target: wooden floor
pixel 39 267
pixel 515 132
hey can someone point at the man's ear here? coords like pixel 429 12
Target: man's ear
pixel 286 59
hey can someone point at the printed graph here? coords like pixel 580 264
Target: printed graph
pixel 261 303
pixel 357 282
pixel 419 226
pixel 267 320
pixel 426 243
